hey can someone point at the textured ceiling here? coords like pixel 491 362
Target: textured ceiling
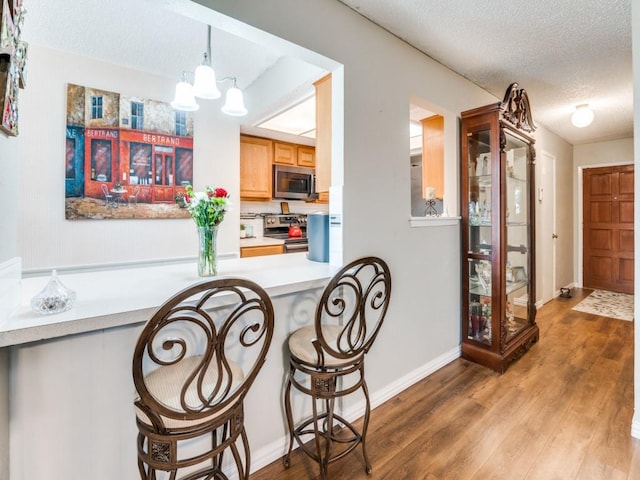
pixel 142 35
pixel 563 52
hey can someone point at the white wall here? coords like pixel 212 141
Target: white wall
pixel 563 151
pixel 603 153
pixel 615 152
pixel 9 198
pixel 45 238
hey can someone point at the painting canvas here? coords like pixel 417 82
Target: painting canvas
pixel 125 157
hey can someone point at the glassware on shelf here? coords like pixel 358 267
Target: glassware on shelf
pixel 54 298
pixel 474 214
pixel 475 313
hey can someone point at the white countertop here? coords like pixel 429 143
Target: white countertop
pixel 122 296
pixel 260 242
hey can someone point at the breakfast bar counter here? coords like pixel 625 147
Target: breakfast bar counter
pixel 123 296
pixel 68 375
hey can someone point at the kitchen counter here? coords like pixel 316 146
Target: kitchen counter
pixel 124 296
pixel 260 242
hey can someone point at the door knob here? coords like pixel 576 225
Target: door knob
pixel 553 235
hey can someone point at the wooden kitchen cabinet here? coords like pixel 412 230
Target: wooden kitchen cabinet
pixel 293 154
pixel 433 154
pixel 256 160
pixel 323 134
pixel 323 197
pixel 498 231
pixel 261 250
pixel 284 153
pixel 306 156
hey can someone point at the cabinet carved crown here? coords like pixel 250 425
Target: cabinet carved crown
pixel 516 110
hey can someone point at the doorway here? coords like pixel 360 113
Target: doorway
pixel 608 204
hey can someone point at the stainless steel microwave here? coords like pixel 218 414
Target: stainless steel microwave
pixel 294 183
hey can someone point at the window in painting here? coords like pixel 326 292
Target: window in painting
pixel 181 123
pixel 101 156
pixel 184 166
pixel 140 164
pixel 137 115
pixel 96 107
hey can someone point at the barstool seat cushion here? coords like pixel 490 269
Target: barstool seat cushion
pixel 301 346
pixel 165 384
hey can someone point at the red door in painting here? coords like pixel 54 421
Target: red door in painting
pixel 163 180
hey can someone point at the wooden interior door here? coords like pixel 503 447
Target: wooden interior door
pixel 608 228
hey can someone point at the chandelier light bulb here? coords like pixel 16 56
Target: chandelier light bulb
pixel 583 116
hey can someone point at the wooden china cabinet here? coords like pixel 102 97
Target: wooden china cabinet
pixel 498 231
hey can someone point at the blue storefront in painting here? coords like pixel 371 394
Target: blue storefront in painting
pixel 74 162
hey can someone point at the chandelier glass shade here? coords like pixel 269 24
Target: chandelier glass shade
pixel 184 99
pixel 204 84
pixel 234 102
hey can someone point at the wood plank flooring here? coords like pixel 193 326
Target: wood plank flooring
pixel 563 411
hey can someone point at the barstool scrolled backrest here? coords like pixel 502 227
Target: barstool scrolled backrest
pixel 355 301
pixel 198 339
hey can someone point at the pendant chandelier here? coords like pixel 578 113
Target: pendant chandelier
pixel 205 86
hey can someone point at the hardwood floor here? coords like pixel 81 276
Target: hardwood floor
pixel 563 411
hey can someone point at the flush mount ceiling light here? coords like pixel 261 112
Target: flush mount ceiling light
pixel 583 116
pixel 205 86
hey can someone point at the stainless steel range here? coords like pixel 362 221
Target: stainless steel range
pixel 279 226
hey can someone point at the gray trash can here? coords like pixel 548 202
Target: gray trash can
pixel 318 236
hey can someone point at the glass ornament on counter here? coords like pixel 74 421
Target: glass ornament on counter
pixel 54 298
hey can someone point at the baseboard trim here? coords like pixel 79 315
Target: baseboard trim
pixel 276 449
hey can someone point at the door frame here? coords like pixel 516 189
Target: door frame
pixel 550 162
pixel 580 189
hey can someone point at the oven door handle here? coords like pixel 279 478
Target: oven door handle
pixel 290 247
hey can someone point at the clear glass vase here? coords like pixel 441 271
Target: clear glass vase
pixel 207 264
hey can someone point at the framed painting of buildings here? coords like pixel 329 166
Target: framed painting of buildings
pixel 125 157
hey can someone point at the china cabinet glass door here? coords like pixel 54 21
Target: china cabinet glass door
pixel 517 235
pixel 480 208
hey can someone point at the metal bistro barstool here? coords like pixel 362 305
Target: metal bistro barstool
pixel 193 364
pixel 327 360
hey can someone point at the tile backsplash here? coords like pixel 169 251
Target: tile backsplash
pixel 295 206
pixel 249 209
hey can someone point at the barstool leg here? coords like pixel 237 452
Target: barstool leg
pixel 317 431
pixel 365 425
pixel 287 407
pixel 243 470
pixel 324 462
